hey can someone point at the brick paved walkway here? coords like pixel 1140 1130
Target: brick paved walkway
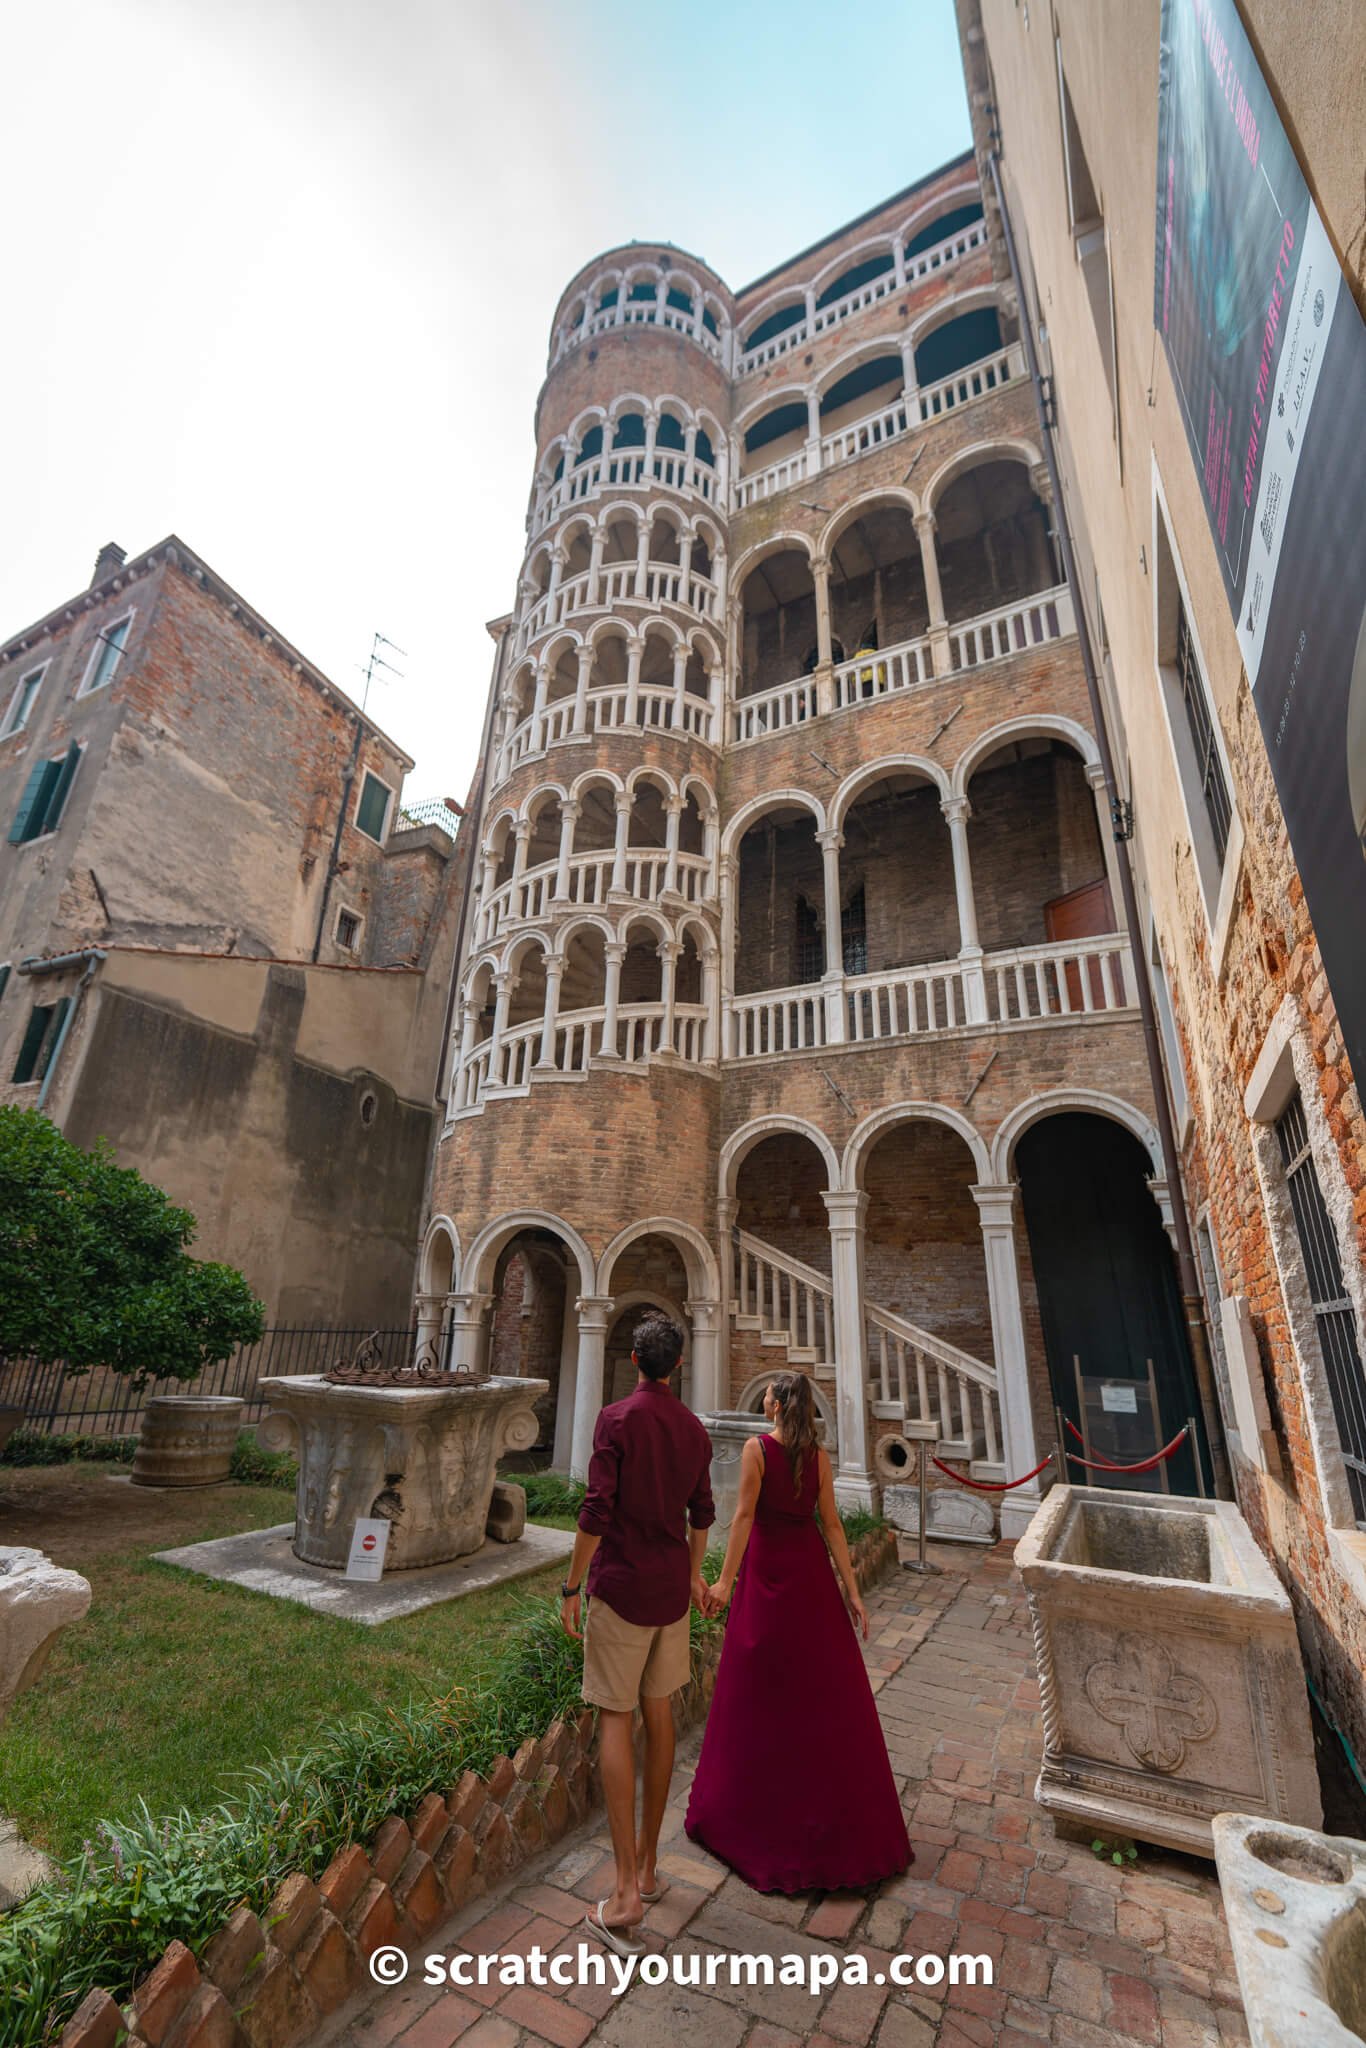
pixel 1086 1956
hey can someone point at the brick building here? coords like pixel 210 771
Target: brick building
pixel 223 944
pixel 794 997
pixel 1267 1113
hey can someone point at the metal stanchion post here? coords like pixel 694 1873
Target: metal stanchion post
pixel 1195 1453
pixel 1060 1432
pixel 920 1563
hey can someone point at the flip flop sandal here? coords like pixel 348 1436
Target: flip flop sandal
pixel 653 1898
pixel 617 1938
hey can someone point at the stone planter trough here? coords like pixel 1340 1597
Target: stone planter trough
pixel 187 1440
pixel 1296 1907
pixel 1169 1671
pixel 424 1458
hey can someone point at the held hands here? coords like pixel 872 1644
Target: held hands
pixel 711 1600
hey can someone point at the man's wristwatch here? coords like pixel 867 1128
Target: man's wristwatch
pixel 568 1592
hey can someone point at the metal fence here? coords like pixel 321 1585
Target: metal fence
pixel 105 1403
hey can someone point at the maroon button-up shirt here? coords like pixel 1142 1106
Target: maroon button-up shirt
pixel 650 1475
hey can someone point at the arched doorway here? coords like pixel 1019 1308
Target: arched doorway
pixel 1109 1309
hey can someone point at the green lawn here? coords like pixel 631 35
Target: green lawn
pixel 174 1685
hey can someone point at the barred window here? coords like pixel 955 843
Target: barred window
pixel 854 933
pixel 1334 1317
pixel 1209 767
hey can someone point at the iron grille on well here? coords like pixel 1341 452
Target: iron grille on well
pixel 1334 1317
pixel 1213 787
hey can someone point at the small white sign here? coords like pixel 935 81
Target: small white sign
pixel 1117 1399
pixel 369 1541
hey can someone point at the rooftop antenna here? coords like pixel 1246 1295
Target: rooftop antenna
pixel 377 661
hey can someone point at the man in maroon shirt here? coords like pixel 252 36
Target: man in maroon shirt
pixel 648 1482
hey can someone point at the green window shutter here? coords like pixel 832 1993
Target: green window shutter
pixel 52 1039
pixel 33 802
pixel 38 1021
pixel 56 803
pixel 373 807
pixel 4 977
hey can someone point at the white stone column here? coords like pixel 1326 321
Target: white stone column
pixel 706 1356
pixel 957 810
pixel 469 1014
pixel 486 888
pixel 668 950
pixel 854 1483
pixel 557 562
pixel 728 879
pixel 929 561
pixel 607 1045
pixel 651 432
pixel 643 559
pixel 996 1208
pixel 617 885
pixel 711 985
pixel 569 817
pixel 503 985
pixel 813 433
pixel 521 833
pixel 538 709
pixel 554 968
pixel 673 813
pixel 899 260
pixel 585 658
pixel 680 687
pixel 594 1313
pixel 468 1310
pixel 430 1308
pixel 684 568
pixel 830 841
pixel 910 383
pixel 820 576
pixel 591 594
pixel 635 648
pixel 564 1396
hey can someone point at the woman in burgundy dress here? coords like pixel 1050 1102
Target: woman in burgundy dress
pixel 792 1684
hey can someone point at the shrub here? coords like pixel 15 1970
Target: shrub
pixel 548 1493
pixel 36 1447
pixel 110 1912
pixel 256 1467
pixel 858 1522
pixel 94 1268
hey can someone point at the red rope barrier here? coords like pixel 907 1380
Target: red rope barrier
pixel 992 1485
pixel 1089 1465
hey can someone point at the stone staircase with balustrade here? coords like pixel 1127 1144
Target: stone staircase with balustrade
pixel 918 1382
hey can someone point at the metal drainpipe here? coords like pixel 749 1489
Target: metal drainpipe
pixel 347 782
pixel 1192 1299
pixel 474 821
pixel 92 956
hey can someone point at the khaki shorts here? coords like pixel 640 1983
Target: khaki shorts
pixel 625 1661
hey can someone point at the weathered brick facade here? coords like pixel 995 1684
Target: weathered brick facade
pixel 876 715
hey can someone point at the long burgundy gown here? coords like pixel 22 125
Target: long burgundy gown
pixel 793 1787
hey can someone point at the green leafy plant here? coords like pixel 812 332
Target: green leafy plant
pixel 858 1522
pixel 36 1447
pixel 252 1466
pixel 548 1493
pixel 94 1269
pixel 1118 1849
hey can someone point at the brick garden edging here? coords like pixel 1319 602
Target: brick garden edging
pixel 270 1982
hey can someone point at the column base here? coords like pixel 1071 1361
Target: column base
pixel 855 1491
pixel 1017 1512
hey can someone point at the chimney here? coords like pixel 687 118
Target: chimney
pixel 110 557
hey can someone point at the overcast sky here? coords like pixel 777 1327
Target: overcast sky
pixel 282 271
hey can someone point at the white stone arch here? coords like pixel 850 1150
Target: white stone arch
pixel 704 1283
pixel 535 801
pixel 662 628
pixel 866 351
pixel 650 771
pixel 863 778
pixel 692 921
pixel 632 914
pixel 704 526
pixel 693 784
pixel 630 401
pixel 476 1275
pixel 701 640
pixel 849 259
pixel 593 778
pixel 585 920
pixel 973 298
pixel 766 402
pixel 753 1390
pixel 1051 1103
pixel 896 495
pixel 866 1134
pixel 741 1143
pixel 608 628
pixel 771 800
pixel 519 945
pixel 929 210
pixel 673 516
pixel 776 544
pixel 565 640
pixel 782 296
pixel 440 1231
pixel 999 448
pixel 507 815
pixel 1044 725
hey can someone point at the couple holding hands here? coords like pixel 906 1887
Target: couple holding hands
pixel 793 1788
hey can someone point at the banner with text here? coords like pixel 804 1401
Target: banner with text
pixel 1268 353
